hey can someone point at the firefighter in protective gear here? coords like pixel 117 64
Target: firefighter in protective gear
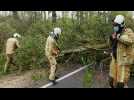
pixel 52 51
pixel 120 68
pixel 11 45
pixel 118 28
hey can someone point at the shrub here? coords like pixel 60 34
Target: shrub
pixel 32 52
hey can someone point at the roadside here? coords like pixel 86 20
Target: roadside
pixel 33 78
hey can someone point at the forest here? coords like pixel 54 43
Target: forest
pixel 82 31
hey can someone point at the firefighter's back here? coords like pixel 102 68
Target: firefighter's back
pixel 11 45
pixel 49 46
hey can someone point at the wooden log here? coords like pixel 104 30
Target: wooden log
pixel 84 49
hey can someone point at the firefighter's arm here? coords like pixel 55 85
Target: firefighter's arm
pixel 55 50
pixel 57 47
pixel 17 44
pixel 125 39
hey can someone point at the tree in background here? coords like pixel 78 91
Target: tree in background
pixel 79 29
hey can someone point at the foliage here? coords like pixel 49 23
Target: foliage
pixel 31 52
pixel 93 29
pixel 88 76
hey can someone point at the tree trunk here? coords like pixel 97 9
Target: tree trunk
pixel 72 14
pixel 54 17
pixel 15 15
pixel 81 17
pixel 78 16
pixel 44 15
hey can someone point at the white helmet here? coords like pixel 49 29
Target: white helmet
pixel 57 31
pixel 16 35
pixel 119 19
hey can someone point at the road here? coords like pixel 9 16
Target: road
pixel 71 80
pixel 75 80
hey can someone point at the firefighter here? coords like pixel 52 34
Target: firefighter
pixel 125 57
pixel 118 27
pixel 120 66
pixel 52 51
pixel 11 45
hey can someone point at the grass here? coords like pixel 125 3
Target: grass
pixel 88 78
pixel 39 74
pixel 36 77
pixel 87 81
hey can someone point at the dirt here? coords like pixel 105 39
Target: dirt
pixel 22 80
pixel 33 78
pixel 100 80
pixel 38 77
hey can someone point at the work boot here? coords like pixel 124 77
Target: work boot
pixel 111 82
pixel 56 77
pixel 120 85
pixel 53 81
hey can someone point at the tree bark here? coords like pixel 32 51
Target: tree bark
pixel 54 17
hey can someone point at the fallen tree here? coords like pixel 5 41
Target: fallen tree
pixel 95 53
pixel 87 48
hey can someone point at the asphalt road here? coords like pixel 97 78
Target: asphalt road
pixel 74 81
pixel 100 80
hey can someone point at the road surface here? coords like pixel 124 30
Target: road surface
pixel 75 80
pixel 71 80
